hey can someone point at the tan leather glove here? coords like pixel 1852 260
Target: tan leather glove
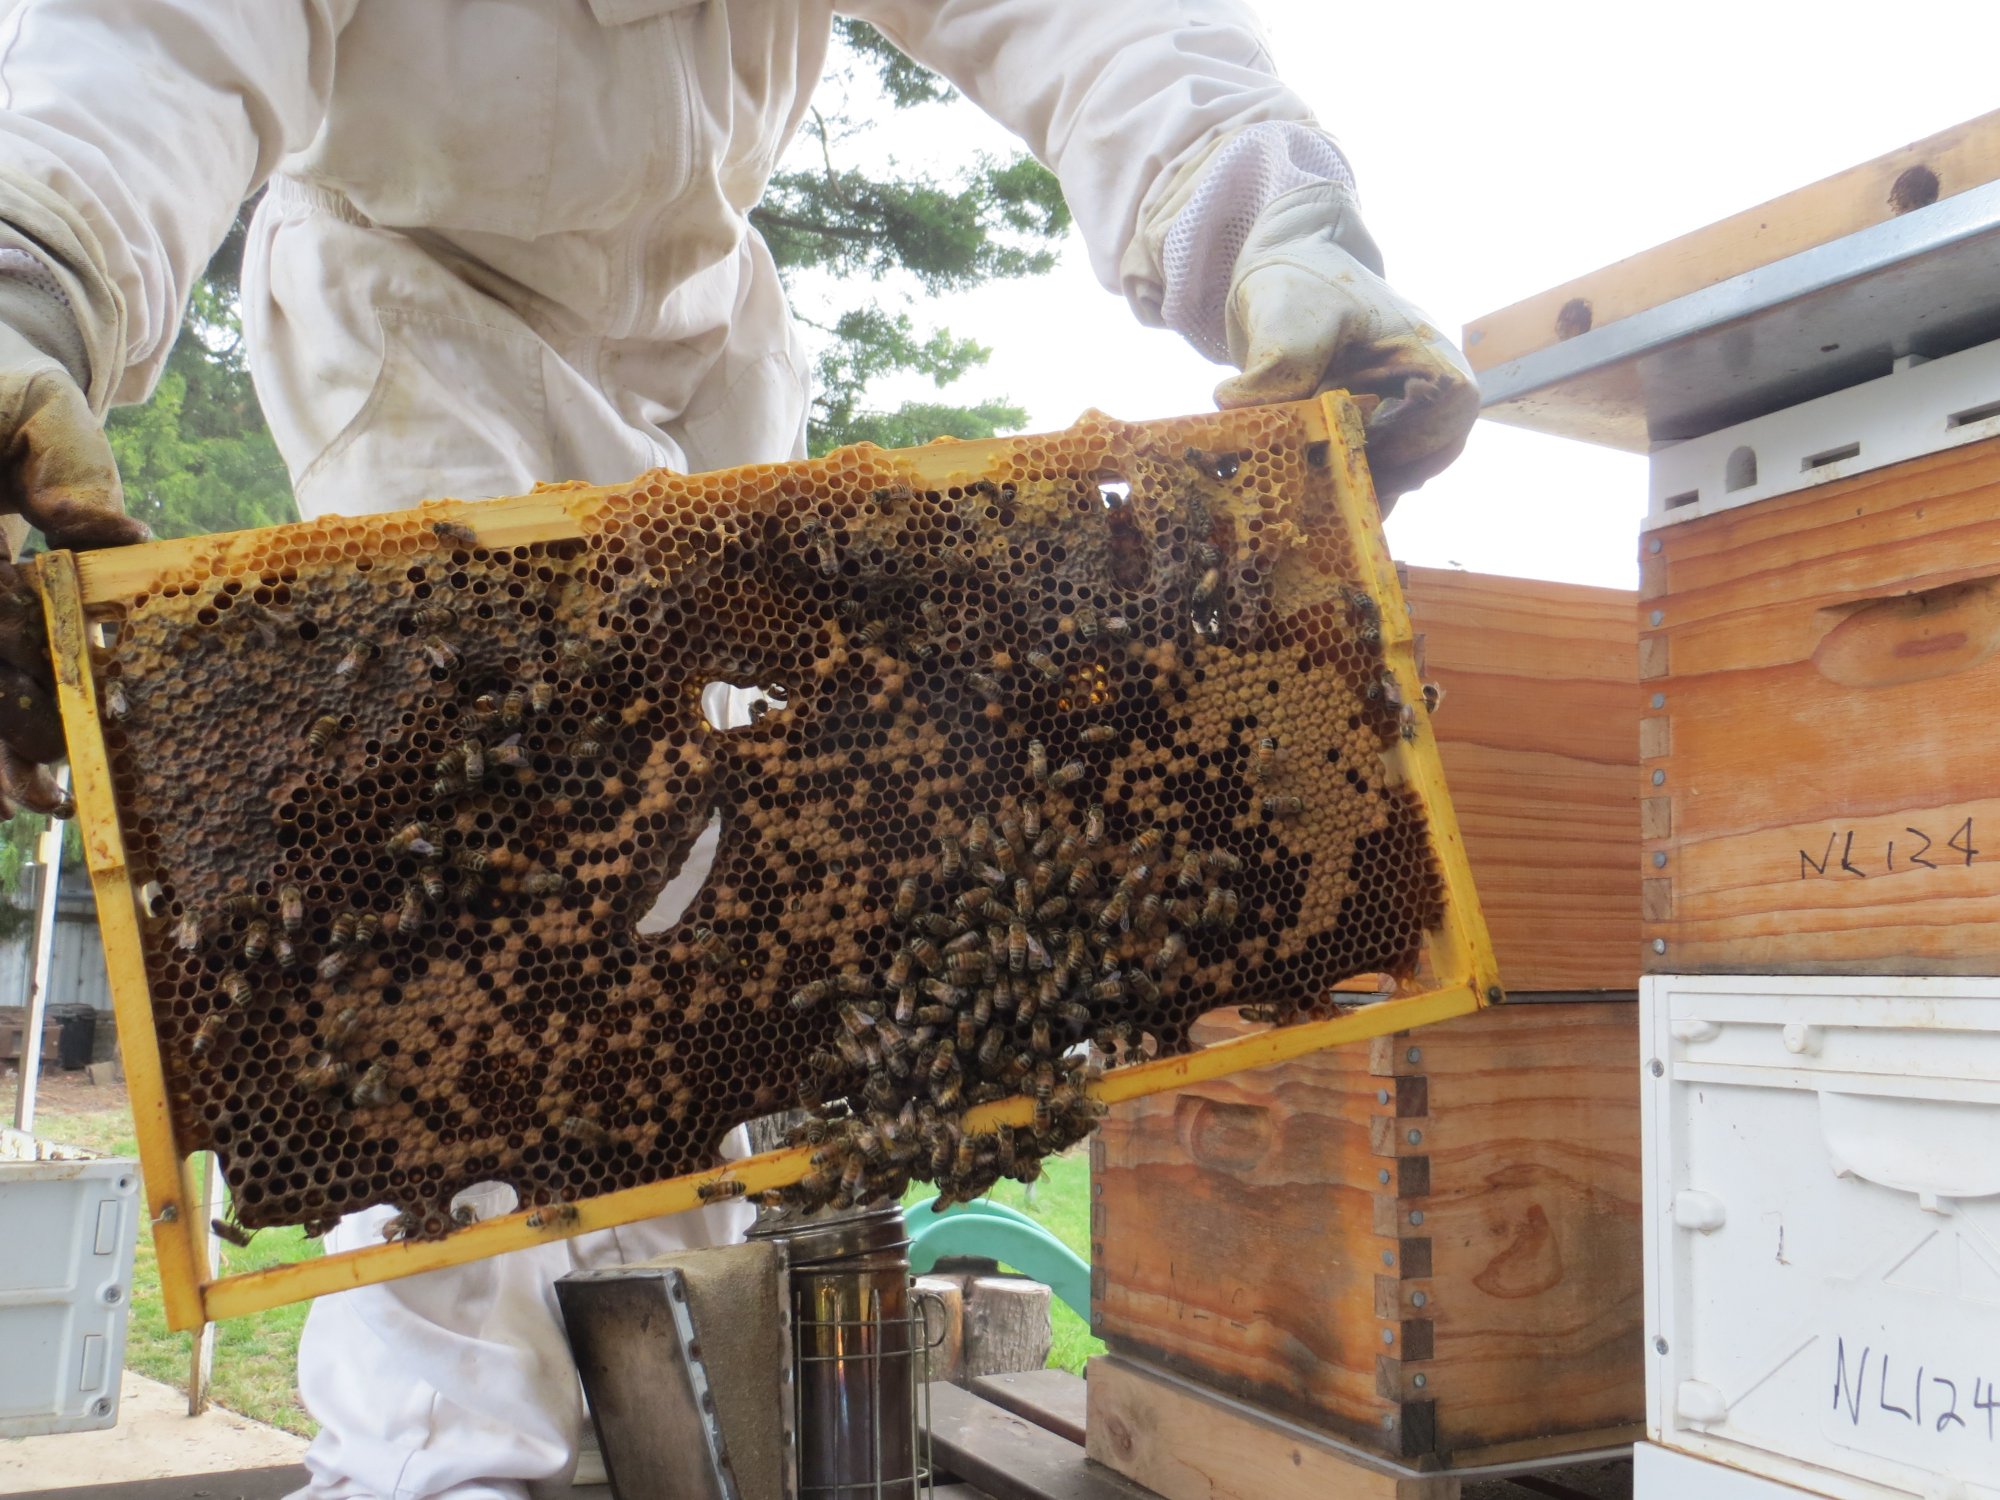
pixel 57 475
pixel 1308 311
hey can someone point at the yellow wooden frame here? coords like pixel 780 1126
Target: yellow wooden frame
pixel 1459 953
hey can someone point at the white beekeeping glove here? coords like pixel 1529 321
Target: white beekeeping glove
pixel 56 474
pixel 1266 264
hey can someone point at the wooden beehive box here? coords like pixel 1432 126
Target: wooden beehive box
pixel 1820 677
pixel 1427 1248
pixel 1538 733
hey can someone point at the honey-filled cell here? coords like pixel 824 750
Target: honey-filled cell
pixel 1014 777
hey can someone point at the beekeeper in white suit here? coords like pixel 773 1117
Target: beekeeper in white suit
pixel 507 241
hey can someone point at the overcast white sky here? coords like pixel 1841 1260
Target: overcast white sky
pixel 1504 149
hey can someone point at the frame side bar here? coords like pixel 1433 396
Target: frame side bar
pixel 183 1258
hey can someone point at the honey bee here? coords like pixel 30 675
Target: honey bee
pixel 967 966
pixel 236 989
pixel 438 654
pixel 1222 859
pixel 1093 826
pixel 1039 1037
pixel 454 533
pixel 256 939
pixel 586 1133
pixel 1043 663
pixel 943 991
pixel 323 1073
pixel 1171 951
pixel 541 697
pixel 1147 844
pixel 1283 807
pixel 288 951
pixel 947 1094
pixel 337 964
pixel 1264 759
pixel 1081 879
pixel 987 687
pixel 806 996
pixel 1207 586
pixel 926 953
pixel 116 704
pixel 1017 946
pixel 585 748
pixel 979 838
pixel 472 755
pixel 353 658
pixel 989 1050
pixel 242 904
pixel 464 1215
pixel 575 658
pixel 1089 625
pixel 905 905
pixel 1116 911
pixel 1219 910
pixel 235 1234
pixel 1141 984
pixel 344 927
pixel 951 857
pixel 412 838
pixel 1267 1015
pixel 433 617
pixel 191 932
pixel 554 1216
pixel 1108 991
pixel 1099 734
pixel 1406 722
pixel 435 887
pixel 968 1033
pixel 1031 821
pixel 1118 627
pixel 1075 1014
pixel 1152 912
pixel 509 756
pixel 1051 909
pixel 472 861
pixel 513 709
pixel 371 1089
pixel 545 883
pixel 1433 695
pixel 341 1029
pixel 712 948
pixel 207 1035
pixel 1067 774
pixel 365 928
pixel 1038 761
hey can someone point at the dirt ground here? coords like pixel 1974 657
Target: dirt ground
pixel 59 1095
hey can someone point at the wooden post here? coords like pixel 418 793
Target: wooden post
pixel 201 1358
pixel 48 852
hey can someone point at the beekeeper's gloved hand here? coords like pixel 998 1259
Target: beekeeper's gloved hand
pixel 1265 263
pixel 57 475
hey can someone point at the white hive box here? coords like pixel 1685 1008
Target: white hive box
pixel 67 1229
pixel 1822 1197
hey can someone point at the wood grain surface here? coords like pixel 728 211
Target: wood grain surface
pixel 1538 733
pixel 1828 794
pixel 1428 1247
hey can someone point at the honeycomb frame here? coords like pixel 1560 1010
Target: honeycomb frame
pixel 1247 523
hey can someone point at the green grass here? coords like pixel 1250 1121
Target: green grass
pixel 1060 1204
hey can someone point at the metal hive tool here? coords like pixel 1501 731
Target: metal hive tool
pixel 1054 740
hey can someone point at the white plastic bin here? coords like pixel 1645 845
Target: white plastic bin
pixel 1822 1188
pixel 67 1230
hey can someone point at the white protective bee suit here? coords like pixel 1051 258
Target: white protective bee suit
pixel 507 241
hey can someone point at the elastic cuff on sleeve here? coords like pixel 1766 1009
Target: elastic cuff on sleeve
pixel 34 304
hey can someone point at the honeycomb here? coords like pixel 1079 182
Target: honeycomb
pixel 1042 764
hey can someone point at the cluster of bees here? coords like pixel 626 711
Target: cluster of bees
pixel 1014 968
pixel 1044 765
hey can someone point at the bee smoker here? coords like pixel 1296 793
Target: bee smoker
pixel 860 1355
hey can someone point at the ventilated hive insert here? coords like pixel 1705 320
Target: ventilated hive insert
pixel 398 793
